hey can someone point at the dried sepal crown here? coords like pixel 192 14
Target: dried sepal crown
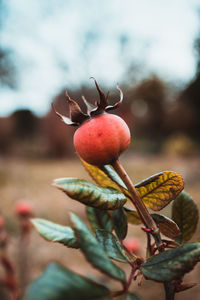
pixel 77 117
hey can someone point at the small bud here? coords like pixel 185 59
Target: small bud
pixel 23 209
pixel 147 230
pixel 132 244
pixel 2 222
pixel 3 233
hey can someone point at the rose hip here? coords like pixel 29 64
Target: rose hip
pixel 100 140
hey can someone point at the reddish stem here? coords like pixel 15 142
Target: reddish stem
pixel 145 217
pixel 25 226
pixel 136 199
pixel 135 267
pixel 10 280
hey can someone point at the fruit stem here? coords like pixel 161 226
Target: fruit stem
pixel 138 203
pixel 145 217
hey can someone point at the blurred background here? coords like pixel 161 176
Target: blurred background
pixel 151 49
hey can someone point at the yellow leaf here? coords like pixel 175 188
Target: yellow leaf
pixel 132 216
pixel 159 190
pixel 105 177
pixel 156 192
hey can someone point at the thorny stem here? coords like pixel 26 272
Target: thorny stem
pixel 145 217
pixel 130 279
pixel 138 203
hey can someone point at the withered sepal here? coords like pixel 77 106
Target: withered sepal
pixel 77 117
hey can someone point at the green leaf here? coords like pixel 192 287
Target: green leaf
pixel 167 226
pixel 159 190
pixel 59 283
pixel 56 233
pixel 172 264
pixel 120 223
pixel 93 252
pixel 131 296
pixel 90 194
pixel 185 214
pixel 112 246
pixel 113 176
pixel 99 219
pixel 132 216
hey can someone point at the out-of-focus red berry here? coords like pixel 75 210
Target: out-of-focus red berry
pixel 2 222
pixel 3 233
pixel 132 244
pixel 23 209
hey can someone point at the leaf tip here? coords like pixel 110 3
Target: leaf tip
pixel 57 184
pixel 34 221
pixel 73 217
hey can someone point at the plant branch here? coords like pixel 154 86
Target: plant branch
pixel 134 268
pixel 169 291
pixel 145 217
pixel 136 199
pixel 10 280
pixel 149 247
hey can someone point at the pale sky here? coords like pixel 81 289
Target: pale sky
pixel 61 43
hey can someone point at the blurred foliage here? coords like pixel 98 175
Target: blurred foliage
pixel 179 144
pixel 7 66
pixel 188 103
pixel 7 69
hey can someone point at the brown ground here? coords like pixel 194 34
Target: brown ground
pixel 31 181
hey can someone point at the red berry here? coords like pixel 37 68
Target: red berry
pixel 2 222
pixel 101 139
pixel 24 209
pixel 132 244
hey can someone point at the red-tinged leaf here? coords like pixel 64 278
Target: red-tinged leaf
pixel 167 226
